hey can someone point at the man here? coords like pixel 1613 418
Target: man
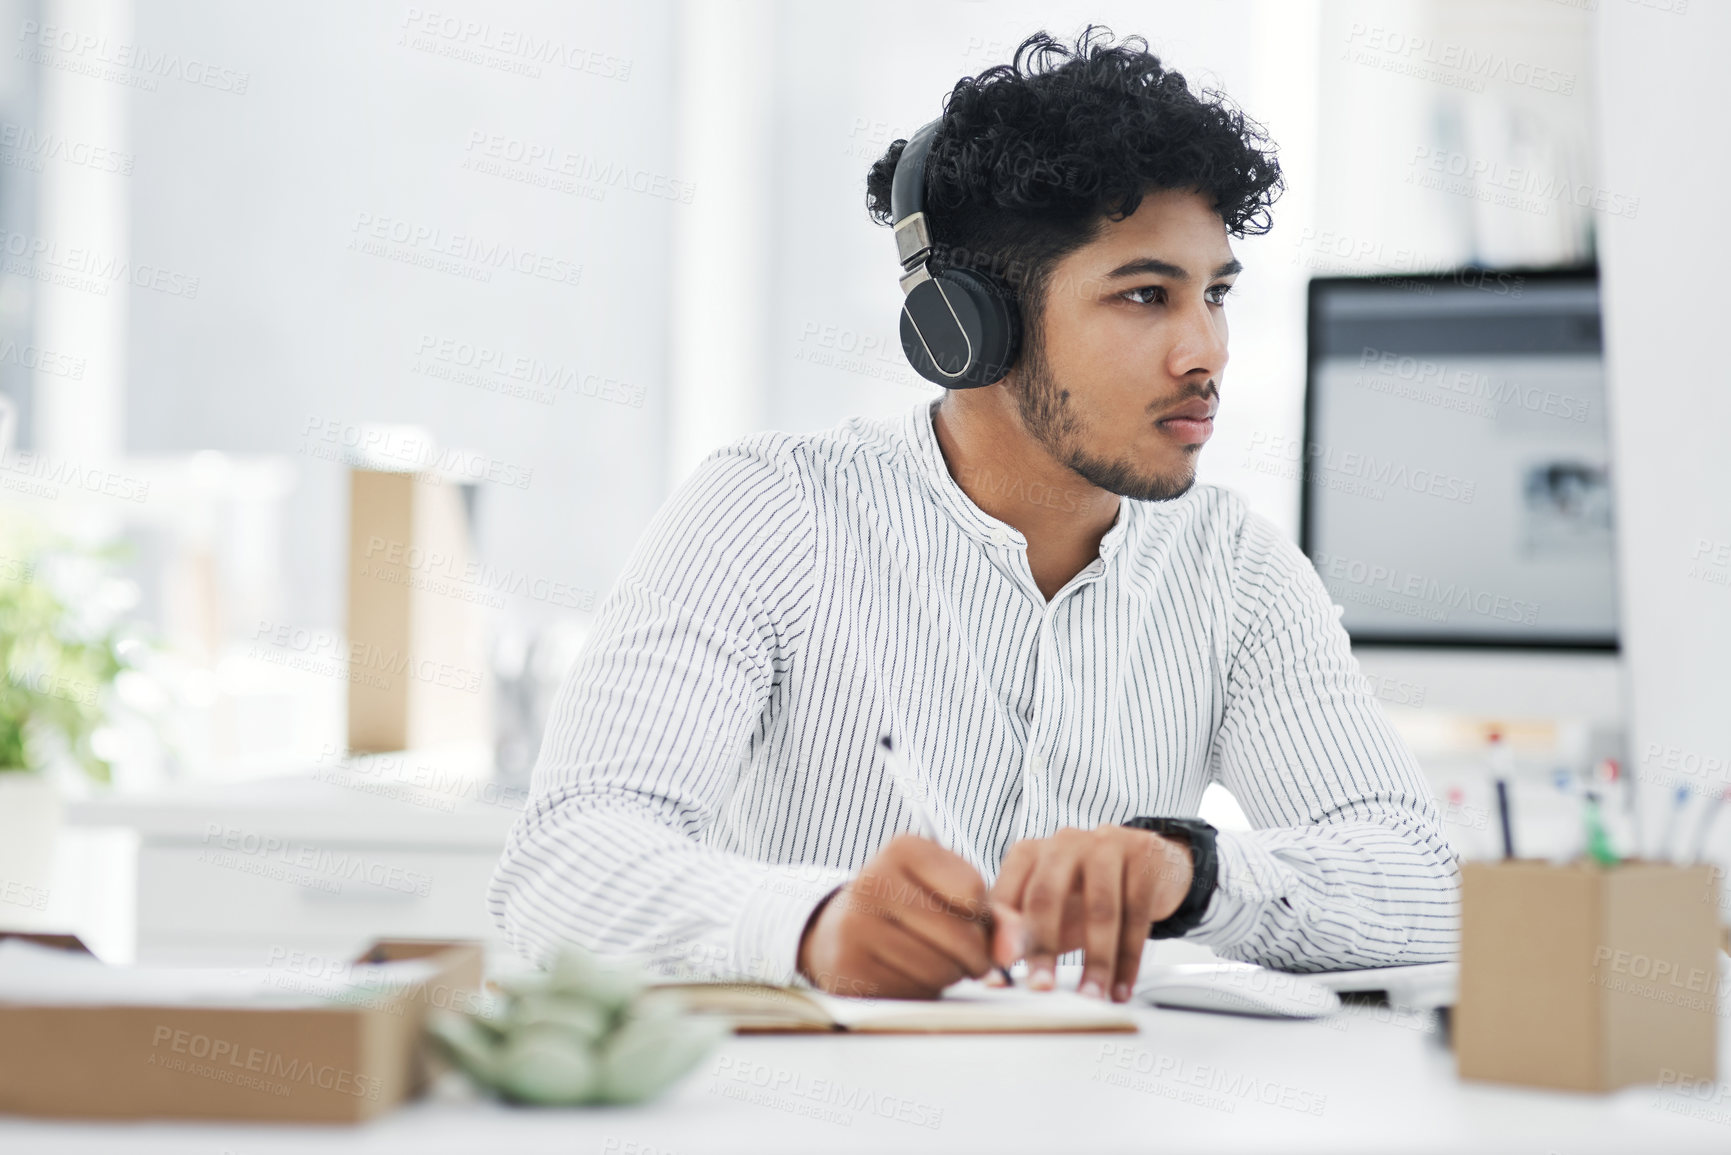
pixel 1022 586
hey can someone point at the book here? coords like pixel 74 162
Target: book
pixel 966 1008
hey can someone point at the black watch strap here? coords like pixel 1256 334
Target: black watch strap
pixel 1204 871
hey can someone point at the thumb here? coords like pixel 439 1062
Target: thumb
pixel 1009 934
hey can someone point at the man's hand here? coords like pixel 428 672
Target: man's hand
pixel 1099 890
pixel 915 920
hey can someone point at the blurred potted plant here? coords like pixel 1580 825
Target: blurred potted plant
pixel 61 651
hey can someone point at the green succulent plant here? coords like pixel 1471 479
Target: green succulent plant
pixel 582 1032
pixel 58 662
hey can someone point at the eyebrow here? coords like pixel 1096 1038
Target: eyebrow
pixel 1145 266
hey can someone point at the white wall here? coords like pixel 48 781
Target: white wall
pixel 82 207
pixel 723 245
pixel 1446 122
pixel 1665 89
pixel 351 110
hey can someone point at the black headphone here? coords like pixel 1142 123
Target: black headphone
pixel 960 328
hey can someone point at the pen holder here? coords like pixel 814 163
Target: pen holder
pixel 1586 977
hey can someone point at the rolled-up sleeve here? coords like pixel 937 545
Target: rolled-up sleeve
pixel 1347 865
pixel 645 743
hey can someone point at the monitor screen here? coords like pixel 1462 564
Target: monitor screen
pixel 1455 463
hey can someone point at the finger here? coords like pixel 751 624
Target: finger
pixel 1013 874
pixel 1103 905
pixel 1044 897
pixel 884 884
pixel 965 941
pixel 1138 918
pixel 1009 935
pixel 943 873
pixel 923 969
pixel 943 900
pixel 1074 924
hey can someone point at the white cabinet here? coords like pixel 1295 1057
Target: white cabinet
pixel 248 874
pixel 311 895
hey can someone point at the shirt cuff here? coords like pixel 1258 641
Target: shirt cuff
pixel 767 933
pixel 1248 882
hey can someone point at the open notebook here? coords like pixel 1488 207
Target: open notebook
pixel 968 1007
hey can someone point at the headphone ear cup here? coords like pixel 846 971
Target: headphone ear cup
pixel 961 329
pixel 1000 335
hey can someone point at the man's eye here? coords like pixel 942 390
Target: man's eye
pixel 1146 295
pixel 1217 294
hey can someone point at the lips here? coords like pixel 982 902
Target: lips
pixel 1195 409
pixel 1190 423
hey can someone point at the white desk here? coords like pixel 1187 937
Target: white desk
pixel 1366 1081
pixel 1374 1085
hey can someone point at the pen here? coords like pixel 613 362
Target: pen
pixel 1503 813
pixel 909 787
pixel 913 793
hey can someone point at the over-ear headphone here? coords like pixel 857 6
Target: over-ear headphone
pixel 960 328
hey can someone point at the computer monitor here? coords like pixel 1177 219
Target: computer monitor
pixel 1455 462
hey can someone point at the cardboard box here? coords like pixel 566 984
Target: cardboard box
pixel 416 624
pixel 1587 978
pixel 340 1063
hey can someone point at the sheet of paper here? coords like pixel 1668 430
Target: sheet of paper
pixel 30 973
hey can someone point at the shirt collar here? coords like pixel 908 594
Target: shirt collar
pixel 928 458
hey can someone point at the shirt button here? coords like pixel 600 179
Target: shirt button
pixel 1036 765
pixel 1001 536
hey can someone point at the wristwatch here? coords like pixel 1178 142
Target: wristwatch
pixel 1204 871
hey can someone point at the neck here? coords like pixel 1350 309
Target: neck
pixel 1007 473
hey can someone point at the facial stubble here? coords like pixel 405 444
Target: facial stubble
pixel 1046 411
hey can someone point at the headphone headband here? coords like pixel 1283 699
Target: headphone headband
pixel 908 187
pixel 908 198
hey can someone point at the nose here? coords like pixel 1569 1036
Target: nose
pixel 1199 347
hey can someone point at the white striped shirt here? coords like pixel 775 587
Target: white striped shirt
pixel 709 769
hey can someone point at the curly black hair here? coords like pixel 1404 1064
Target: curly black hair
pixel 1033 156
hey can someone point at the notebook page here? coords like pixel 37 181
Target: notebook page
pixel 971 1005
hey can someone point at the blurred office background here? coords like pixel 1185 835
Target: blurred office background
pixel 546 256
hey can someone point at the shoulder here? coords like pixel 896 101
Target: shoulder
pixel 769 484
pixel 1253 541
pixel 1238 548
pixel 797 465
pixel 1211 520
